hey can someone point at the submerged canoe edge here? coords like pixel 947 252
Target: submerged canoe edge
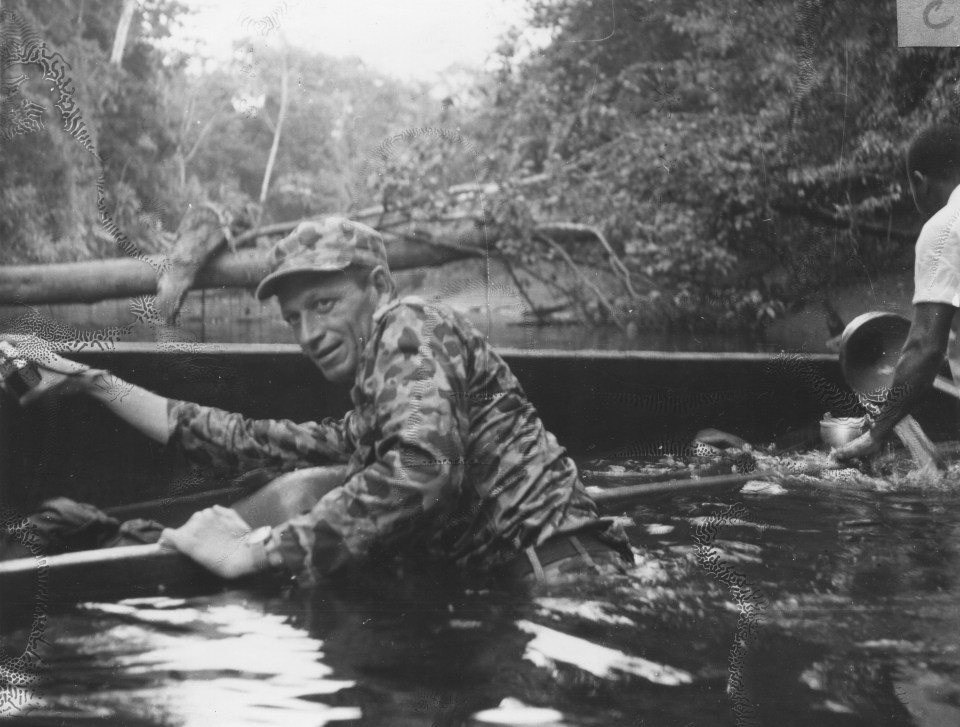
pixel 612 404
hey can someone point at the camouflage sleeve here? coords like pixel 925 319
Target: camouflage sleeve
pixel 213 436
pixel 415 472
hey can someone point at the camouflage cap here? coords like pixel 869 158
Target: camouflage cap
pixel 323 246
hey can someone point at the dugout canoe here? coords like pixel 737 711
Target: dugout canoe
pixel 617 405
pixel 614 404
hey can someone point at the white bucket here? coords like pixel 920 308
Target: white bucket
pixel 838 431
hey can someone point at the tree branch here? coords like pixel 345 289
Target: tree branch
pixel 123 29
pixel 207 128
pixel 820 214
pixel 614 316
pixel 264 188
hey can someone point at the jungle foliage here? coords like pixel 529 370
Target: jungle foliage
pixel 743 153
pixel 168 135
pixel 738 155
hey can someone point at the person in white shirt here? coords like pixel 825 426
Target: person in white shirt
pixel 933 169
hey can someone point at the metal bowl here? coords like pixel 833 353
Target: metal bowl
pixel 869 349
pixel 838 431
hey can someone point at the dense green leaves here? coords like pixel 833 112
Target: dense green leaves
pixel 736 150
pixel 169 137
pixel 739 155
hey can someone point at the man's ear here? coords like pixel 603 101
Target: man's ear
pixel 382 281
pixel 921 182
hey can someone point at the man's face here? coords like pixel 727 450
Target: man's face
pixel 928 195
pixel 917 184
pixel 331 315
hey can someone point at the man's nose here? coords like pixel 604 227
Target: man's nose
pixel 312 328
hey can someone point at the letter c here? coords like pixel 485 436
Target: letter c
pixel 927 11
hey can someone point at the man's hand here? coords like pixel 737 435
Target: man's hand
pixel 860 447
pixel 57 374
pixel 219 540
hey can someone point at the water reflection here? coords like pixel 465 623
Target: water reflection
pixel 860 627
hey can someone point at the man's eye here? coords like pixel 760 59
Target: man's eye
pixel 292 319
pixel 323 305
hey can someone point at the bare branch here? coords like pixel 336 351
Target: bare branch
pixel 264 188
pixel 614 316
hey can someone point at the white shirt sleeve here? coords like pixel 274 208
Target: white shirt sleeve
pixel 937 267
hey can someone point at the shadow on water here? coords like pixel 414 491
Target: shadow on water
pixel 833 602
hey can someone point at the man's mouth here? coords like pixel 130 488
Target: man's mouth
pixel 324 353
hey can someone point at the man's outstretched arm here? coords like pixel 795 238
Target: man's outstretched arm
pixel 919 362
pixel 204 434
pixel 142 409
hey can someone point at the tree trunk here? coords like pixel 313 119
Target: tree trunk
pixel 123 29
pixel 89 282
pixel 200 233
pixel 264 188
pixel 3 69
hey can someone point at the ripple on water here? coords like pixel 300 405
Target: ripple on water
pixel 860 627
pixel 197 663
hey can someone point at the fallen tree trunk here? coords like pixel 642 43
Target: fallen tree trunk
pixel 96 280
pixel 90 282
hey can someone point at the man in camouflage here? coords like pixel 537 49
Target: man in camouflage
pixel 445 458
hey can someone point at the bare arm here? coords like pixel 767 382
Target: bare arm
pixel 143 410
pixel 916 369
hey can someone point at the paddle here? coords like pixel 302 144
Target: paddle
pixel 626 494
pixel 153 509
pixel 633 493
pixel 942 383
pixel 916 441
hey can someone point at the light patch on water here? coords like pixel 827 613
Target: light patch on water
pixel 228 664
pixel 760 487
pixel 737 545
pixel 514 713
pixel 224 701
pixel 648 568
pixel 172 617
pixel 249 653
pixel 898 645
pixel 732 522
pixel 155 602
pixel 549 647
pixel 595 611
pixel 659 529
pixel 252 642
pixel 812 679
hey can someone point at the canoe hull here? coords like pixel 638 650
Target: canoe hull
pixel 618 405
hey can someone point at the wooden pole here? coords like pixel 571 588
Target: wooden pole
pixel 633 493
pixel 133 570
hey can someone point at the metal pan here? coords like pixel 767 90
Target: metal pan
pixel 869 349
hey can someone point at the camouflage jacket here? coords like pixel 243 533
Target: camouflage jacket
pixel 446 454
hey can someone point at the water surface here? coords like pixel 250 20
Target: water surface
pixel 848 608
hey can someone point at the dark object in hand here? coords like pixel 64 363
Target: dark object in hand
pixel 17 373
